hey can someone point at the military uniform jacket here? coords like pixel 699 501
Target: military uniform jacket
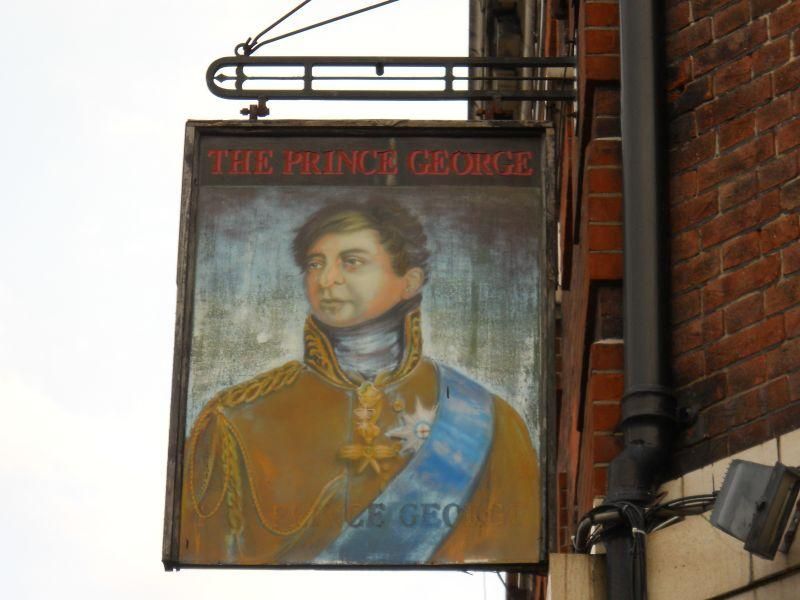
pixel 278 467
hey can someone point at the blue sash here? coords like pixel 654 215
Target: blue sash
pixel 409 520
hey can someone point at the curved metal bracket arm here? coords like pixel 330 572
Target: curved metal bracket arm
pixel 392 78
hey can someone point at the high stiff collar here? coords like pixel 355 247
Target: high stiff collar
pixel 321 357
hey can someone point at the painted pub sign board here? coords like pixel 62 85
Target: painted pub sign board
pixel 363 351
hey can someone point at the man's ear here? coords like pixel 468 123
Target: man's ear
pixel 414 279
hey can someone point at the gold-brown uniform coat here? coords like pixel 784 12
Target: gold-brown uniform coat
pixel 265 481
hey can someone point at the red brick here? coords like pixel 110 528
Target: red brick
pixel 744 312
pixel 693 95
pixel 748 407
pixel 731 18
pixel 761 7
pixel 782 296
pixel 689 367
pixel 682 129
pixel 693 434
pixel 735 162
pixel 678 17
pixel 770 56
pixel 740 250
pixel 787 136
pixel 776 394
pixel 599 481
pixel 601 41
pixel 735 285
pixel 787 77
pixel 749 435
pixel 605 237
pixel 747 375
pixel 605 208
pixel 779 232
pixel 719 418
pixel 696 151
pixel 602 67
pixel 732 75
pixel 604 181
pixel 777 171
pixel 713 328
pixel 685 307
pixel 790 195
pixel 739 100
pixel 703 8
pixel 745 343
pixel 738 191
pixel 694 211
pixel 784 359
pixel 699 455
pixel 682 186
pixel 689 38
pixel 687 337
pixel 785 18
pixel 791 259
pixel 792 318
pixel 605 14
pixel 606 101
pixel 605 416
pixel 684 245
pixel 785 420
pixel 605 127
pixel 705 392
pixel 739 219
pixel 731 46
pixel 737 131
pixel 777 110
pixel 606 447
pixel 604 152
pixel 678 75
pixel 695 271
pixel 605 266
pixel 606 386
pixel 607 357
pixel 794 386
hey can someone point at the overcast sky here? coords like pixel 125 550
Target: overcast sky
pixel 95 94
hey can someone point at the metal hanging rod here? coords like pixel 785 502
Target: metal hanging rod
pixel 251 45
pixel 316 78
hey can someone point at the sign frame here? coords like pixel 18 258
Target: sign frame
pixel 195 132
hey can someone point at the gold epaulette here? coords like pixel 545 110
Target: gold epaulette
pixel 260 385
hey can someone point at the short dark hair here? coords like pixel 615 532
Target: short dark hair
pixel 400 231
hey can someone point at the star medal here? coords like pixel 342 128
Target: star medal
pixel 414 428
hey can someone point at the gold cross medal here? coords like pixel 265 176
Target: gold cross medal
pixel 370 403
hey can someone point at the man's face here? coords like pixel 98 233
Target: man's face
pixel 349 278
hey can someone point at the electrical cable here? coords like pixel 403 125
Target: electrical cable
pixel 609 517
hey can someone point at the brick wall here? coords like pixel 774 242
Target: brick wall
pixel 733 94
pixel 734 136
pixel 591 252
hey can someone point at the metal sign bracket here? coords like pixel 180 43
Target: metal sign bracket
pixel 494 79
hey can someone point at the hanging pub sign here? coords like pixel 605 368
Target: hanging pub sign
pixel 363 348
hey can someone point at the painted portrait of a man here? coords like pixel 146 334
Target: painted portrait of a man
pixel 364 449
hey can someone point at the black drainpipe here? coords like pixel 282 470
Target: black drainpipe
pixel 648 407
